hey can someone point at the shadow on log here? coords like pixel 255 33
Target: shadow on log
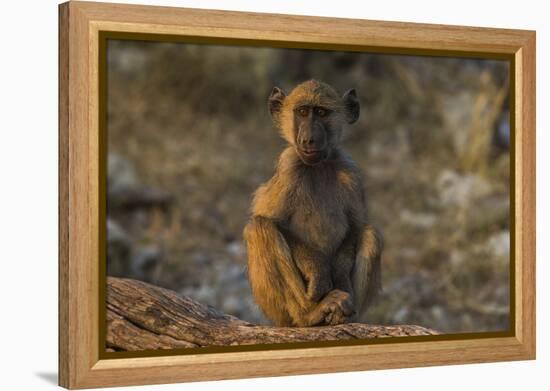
pixel 141 316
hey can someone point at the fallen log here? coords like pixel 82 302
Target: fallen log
pixel 141 316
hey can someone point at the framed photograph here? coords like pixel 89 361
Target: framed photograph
pixel 246 195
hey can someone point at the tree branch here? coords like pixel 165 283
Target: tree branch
pixel 141 316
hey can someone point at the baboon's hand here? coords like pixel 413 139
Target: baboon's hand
pixel 339 307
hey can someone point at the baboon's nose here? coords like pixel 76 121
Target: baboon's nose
pixel 308 141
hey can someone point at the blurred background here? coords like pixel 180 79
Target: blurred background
pixel 190 139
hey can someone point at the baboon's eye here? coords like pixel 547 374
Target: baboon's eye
pixel 321 112
pixel 303 111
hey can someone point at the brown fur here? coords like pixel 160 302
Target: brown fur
pixel 313 259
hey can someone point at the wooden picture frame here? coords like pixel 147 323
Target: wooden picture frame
pixel 81 237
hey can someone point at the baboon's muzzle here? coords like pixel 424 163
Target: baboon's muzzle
pixel 312 144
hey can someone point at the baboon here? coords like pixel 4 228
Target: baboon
pixel 313 258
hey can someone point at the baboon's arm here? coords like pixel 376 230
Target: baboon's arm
pixel 342 264
pixel 366 275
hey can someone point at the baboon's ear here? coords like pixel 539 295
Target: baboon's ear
pixel 275 101
pixel 351 104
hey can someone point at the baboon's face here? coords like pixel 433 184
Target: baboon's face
pixel 313 133
pixel 311 118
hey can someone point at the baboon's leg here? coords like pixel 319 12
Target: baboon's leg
pixel 314 268
pixel 276 282
pixel 366 274
pixel 268 262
